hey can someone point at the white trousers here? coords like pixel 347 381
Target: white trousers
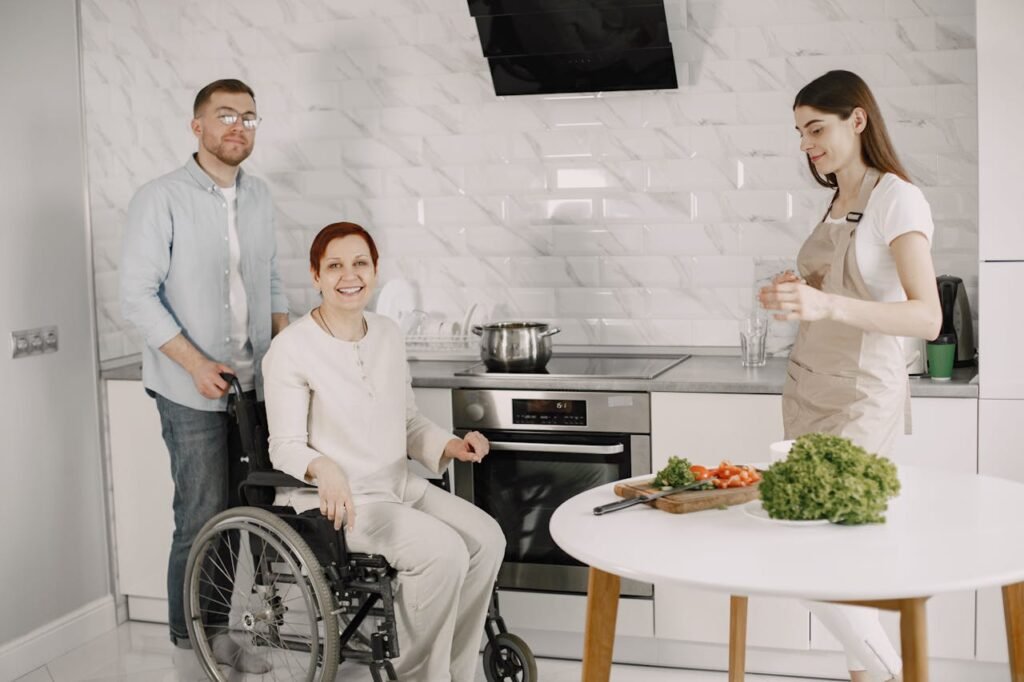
pixel 859 630
pixel 447 553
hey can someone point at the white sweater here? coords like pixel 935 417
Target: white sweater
pixel 352 402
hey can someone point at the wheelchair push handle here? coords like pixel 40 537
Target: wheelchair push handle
pixel 233 383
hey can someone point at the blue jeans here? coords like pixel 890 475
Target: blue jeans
pixel 205 449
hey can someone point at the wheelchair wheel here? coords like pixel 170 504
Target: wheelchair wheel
pixel 251 577
pixel 507 658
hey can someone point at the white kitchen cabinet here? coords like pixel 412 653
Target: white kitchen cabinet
pixel 1000 373
pixel 435 404
pixel 142 487
pixel 1000 453
pixel 945 436
pixel 1000 136
pixel 707 427
pixel 950 627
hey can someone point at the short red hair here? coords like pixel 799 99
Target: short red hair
pixel 337 231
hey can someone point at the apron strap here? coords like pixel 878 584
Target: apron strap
pixel 867 184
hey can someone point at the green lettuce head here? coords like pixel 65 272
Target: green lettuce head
pixel 828 477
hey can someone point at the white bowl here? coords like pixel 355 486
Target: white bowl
pixel 780 450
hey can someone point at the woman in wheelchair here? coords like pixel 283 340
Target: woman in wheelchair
pixel 341 414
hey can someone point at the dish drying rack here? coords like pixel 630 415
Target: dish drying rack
pixel 426 345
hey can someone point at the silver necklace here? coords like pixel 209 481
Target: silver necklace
pixel 328 327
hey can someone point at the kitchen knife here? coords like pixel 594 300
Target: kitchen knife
pixel 622 504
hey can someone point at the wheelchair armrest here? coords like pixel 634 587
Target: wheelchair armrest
pixel 258 486
pixel 274 479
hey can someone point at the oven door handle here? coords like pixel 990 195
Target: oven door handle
pixel 560 448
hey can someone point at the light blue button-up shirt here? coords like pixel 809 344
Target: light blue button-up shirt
pixel 175 274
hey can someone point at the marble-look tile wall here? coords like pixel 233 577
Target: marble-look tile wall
pixel 628 218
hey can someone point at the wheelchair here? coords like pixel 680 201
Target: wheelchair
pixel 285 588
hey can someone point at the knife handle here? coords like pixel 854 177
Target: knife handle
pixel 621 504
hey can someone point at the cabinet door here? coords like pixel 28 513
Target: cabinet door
pixel 999 357
pixel 1000 137
pixel 1000 434
pixel 436 405
pixel 706 428
pixel 143 490
pixel 950 633
pixel 945 436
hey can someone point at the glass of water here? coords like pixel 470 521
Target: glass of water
pixel 753 334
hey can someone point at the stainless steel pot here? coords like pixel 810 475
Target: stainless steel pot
pixel 515 346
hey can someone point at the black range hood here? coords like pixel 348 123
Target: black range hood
pixel 562 46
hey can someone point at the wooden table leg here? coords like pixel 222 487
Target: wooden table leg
pixel 602 609
pixel 914 639
pixel 737 638
pixel 1013 609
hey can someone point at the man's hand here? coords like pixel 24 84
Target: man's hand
pixel 278 321
pixel 335 495
pixel 206 375
pixel 473 448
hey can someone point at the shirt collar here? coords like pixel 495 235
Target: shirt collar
pixel 204 180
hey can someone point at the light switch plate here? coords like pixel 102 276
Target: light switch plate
pixel 34 341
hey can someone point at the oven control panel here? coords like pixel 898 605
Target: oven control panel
pixel 549 412
pixel 581 411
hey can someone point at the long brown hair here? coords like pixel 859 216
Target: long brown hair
pixel 840 92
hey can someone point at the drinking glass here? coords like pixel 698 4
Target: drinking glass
pixel 753 333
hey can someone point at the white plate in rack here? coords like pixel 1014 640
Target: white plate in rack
pixel 397 300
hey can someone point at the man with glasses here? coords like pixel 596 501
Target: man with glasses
pixel 199 281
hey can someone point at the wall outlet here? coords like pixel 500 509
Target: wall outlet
pixel 34 341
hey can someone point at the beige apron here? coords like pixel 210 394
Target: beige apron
pixel 841 380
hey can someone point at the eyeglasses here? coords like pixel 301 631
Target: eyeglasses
pixel 230 118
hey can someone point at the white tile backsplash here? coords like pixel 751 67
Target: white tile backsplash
pixel 626 218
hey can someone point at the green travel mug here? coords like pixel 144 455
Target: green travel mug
pixel 941 352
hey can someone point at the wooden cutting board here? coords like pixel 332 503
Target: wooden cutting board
pixel 689 500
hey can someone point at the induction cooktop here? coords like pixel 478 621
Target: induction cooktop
pixel 590 366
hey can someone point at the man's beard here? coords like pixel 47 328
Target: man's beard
pixel 231 157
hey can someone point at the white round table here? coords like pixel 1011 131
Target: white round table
pixel 945 532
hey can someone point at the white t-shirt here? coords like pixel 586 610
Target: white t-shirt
pixel 241 349
pixel 895 208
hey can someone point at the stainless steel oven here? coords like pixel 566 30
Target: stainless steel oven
pixel 547 446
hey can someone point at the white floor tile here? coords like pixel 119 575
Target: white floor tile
pixel 141 652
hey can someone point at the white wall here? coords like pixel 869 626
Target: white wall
pixel 633 218
pixel 52 528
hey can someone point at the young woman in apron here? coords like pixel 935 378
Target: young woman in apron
pixel 866 279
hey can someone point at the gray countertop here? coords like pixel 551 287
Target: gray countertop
pixel 699 374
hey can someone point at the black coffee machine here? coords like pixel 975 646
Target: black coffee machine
pixel 956 318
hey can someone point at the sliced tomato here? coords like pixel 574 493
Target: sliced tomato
pixel 700 473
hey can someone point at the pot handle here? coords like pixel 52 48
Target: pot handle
pixel 478 329
pixel 549 332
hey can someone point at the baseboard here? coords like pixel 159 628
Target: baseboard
pixel 663 653
pixel 147 609
pixel 28 652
